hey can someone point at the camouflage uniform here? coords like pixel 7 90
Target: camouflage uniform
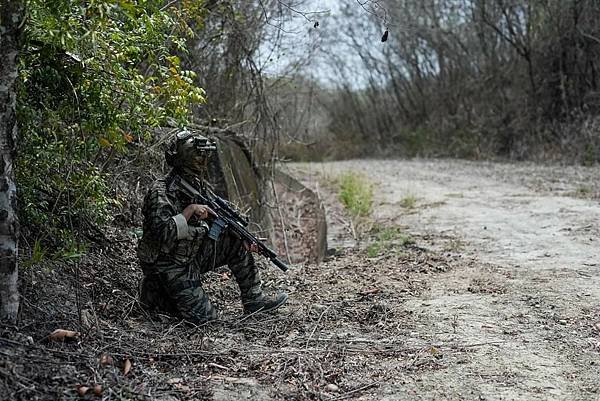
pixel 173 254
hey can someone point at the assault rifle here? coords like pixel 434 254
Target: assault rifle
pixel 225 217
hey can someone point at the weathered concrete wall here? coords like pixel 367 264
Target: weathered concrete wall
pixel 300 223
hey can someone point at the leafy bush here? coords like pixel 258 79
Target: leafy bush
pixel 96 78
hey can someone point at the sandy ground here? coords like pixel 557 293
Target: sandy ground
pixel 519 323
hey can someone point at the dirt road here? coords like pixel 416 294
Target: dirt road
pixel 517 321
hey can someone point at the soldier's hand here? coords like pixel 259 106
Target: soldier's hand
pixel 202 212
pixel 251 247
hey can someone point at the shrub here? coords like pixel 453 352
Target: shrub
pixel 356 194
pixel 95 79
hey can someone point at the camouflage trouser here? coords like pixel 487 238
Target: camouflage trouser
pixel 176 289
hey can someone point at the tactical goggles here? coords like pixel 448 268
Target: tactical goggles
pixel 200 142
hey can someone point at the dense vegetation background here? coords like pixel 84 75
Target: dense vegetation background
pixel 469 78
pixel 97 82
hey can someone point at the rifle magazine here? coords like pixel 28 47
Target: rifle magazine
pixel 216 228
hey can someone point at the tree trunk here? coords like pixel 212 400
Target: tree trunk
pixel 11 18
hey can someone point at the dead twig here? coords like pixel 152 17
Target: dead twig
pixel 357 390
pixel 316 325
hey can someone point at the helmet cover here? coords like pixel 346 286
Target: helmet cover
pixel 190 151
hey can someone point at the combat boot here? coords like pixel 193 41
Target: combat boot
pixel 263 303
pixel 208 316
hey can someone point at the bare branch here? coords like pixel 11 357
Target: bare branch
pixel 371 7
pixel 304 14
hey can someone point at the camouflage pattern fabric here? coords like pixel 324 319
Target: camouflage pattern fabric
pixel 173 255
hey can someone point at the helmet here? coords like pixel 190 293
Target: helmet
pixel 190 151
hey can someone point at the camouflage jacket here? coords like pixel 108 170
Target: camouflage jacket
pixel 167 237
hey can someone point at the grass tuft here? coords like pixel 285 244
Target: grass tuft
pixel 408 202
pixel 388 239
pixel 583 190
pixel 356 194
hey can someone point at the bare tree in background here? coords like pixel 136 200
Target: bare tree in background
pixel 11 17
pixel 470 78
pixel 225 54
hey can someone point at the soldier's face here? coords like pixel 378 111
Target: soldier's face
pixel 199 164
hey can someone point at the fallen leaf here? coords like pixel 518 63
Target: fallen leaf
pixel 106 360
pixel 175 380
pixel 82 390
pixel 98 389
pixel 61 335
pixel 128 138
pixel 369 291
pixel 182 387
pixel 126 367
pixel 86 319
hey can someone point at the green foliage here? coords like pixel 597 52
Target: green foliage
pixel 388 239
pixel 589 155
pixel 418 141
pixel 583 191
pixel 38 253
pixel 408 202
pixel 96 77
pixel 356 194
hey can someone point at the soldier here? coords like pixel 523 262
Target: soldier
pixel 175 248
